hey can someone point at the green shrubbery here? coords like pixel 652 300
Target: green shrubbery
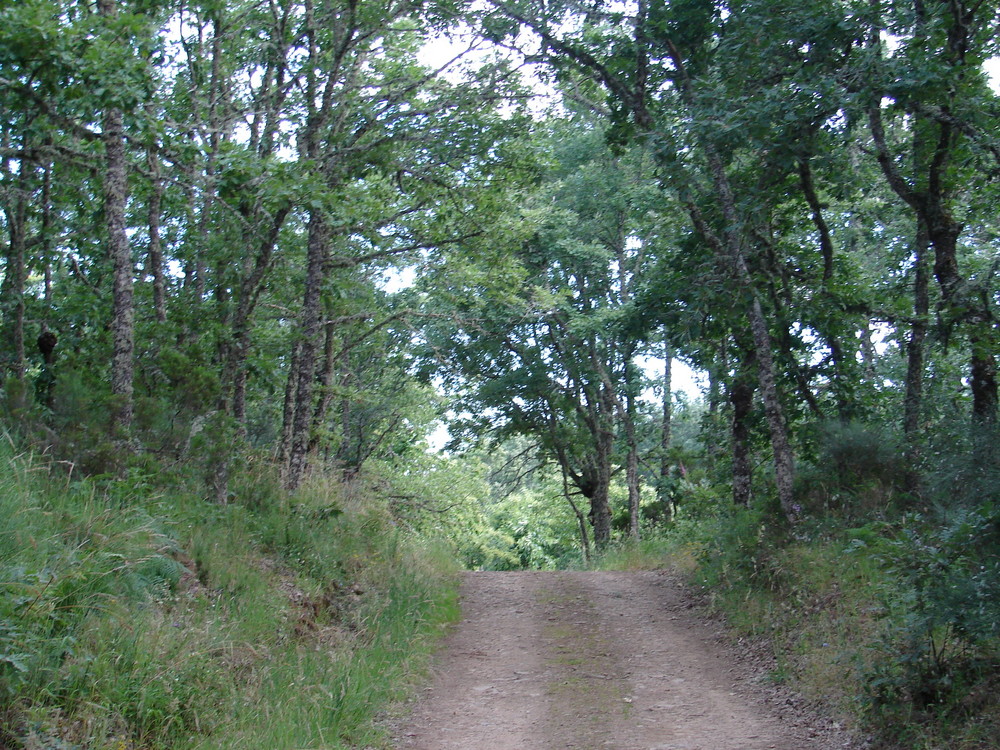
pixel 938 657
pixel 128 621
pixel 882 605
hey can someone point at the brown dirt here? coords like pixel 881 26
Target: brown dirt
pixel 588 660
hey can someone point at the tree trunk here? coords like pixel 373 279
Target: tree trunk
pixel 838 381
pixel 741 397
pixel 311 320
pixel 325 383
pixel 594 481
pixel 154 260
pixel 666 425
pixel 983 382
pixel 288 408
pixel 931 207
pixel 983 379
pixel 784 462
pixel 123 310
pixel 632 465
pixel 913 399
pixel 215 132
pixel 236 350
pixel 12 290
pixel 868 355
pixel 581 519
pixel 600 511
pixel 600 508
pixel 123 307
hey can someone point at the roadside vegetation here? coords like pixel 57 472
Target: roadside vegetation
pixel 878 607
pixel 881 610
pixel 254 254
pixel 140 616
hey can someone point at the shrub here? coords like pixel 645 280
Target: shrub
pixel 856 474
pixel 944 637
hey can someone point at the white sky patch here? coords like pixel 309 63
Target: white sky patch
pixel 397 279
pixel 460 52
pixel 684 378
pixel 447 53
pixel 882 334
pixel 438 438
pixel 992 68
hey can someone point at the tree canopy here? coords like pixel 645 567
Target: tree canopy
pixel 201 202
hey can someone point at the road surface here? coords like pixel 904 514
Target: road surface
pixel 589 660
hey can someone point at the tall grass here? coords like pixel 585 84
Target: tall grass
pixel 131 621
pixel 881 607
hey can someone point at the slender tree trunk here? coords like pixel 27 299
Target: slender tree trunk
pixel 741 398
pixel 215 133
pixel 154 260
pixel 600 511
pixel 868 355
pixel 318 246
pixel 784 462
pixel 632 464
pixel 983 378
pixel 931 207
pixel 235 350
pixel 986 447
pixel 46 233
pixel 600 507
pixel 913 398
pixel 733 246
pixel 12 290
pixel 581 519
pixel 345 414
pixel 325 383
pixel 845 406
pixel 123 307
pixel 944 230
pixel 288 408
pixel 666 426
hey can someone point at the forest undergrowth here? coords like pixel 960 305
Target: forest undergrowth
pixel 137 615
pixel 881 608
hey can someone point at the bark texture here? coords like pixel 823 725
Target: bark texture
pixel 309 330
pixel 741 397
pixel 666 425
pixel 120 255
pixel 12 289
pixel 915 345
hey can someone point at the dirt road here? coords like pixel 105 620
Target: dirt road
pixel 593 660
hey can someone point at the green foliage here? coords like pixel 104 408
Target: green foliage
pixel 857 473
pixel 263 623
pixel 962 463
pixel 739 548
pixel 551 253
pixel 939 654
pixel 539 527
pixel 893 624
pixel 67 556
pixel 491 526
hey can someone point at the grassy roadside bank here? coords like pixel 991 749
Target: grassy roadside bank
pixel 891 626
pixel 137 616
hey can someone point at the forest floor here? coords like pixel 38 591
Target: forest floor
pixel 593 660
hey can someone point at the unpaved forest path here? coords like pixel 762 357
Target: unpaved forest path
pixel 588 660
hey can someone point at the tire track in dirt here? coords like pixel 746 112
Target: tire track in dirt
pixel 590 660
